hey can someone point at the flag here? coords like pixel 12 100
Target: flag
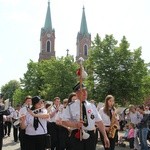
pixel 83 73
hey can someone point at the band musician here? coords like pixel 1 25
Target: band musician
pixel 23 111
pixel 90 117
pixel 110 121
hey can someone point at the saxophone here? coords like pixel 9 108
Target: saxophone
pixel 113 127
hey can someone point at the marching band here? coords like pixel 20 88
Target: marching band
pixel 37 118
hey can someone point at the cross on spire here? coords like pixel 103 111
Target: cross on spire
pixel 67 52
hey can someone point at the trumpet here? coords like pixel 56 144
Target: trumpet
pixel 17 121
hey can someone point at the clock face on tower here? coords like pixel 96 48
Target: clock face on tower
pixel 48 35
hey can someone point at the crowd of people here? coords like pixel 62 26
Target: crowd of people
pixel 75 124
pixel 136 127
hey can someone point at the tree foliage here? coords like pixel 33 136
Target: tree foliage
pixel 50 78
pixel 18 97
pixel 116 70
pixel 146 85
pixel 9 89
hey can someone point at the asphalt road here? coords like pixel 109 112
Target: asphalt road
pixel 8 144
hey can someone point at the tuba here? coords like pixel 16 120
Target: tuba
pixel 113 127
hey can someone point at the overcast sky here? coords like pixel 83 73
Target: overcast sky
pixel 21 22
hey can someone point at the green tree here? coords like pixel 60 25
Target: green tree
pixel 33 79
pixel 90 64
pixel 50 78
pixel 146 85
pixel 60 77
pixel 19 96
pixel 9 89
pixel 116 70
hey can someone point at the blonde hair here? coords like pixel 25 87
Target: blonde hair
pixel 132 125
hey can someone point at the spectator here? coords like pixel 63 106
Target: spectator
pixel 130 136
pixel 143 129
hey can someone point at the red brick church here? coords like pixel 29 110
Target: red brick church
pixel 47 38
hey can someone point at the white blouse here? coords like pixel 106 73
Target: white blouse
pixel 105 117
pixel 135 118
pixel 53 109
pixel 29 122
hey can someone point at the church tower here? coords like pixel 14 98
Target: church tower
pixel 83 39
pixel 47 38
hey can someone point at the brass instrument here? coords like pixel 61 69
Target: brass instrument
pixel 49 108
pixel 113 127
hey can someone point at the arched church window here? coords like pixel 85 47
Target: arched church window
pixel 85 50
pixel 48 46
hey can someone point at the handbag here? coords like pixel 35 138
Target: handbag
pixel 47 138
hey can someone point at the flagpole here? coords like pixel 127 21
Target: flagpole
pixel 81 83
pixel 82 75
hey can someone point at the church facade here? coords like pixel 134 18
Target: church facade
pixel 47 38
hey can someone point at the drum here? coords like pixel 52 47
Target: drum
pixel 16 123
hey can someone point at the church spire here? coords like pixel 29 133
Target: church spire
pixel 47 38
pixel 48 21
pixel 83 27
pixel 83 39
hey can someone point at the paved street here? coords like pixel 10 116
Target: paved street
pixel 10 145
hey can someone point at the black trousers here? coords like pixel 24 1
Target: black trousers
pixel 1 143
pixel 88 144
pixel 7 128
pixel 22 139
pixel 64 139
pixel 53 130
pixel 131 143
pixel 35 142
pixel 15 133
pixel 1 131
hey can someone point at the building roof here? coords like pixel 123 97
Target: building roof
pixel 83 27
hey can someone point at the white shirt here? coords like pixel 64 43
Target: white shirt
pixel 135 118
pixel 53 109
pixel 15 114
pixel 105 117
pixel 23 111
pixel 11 109
pixel 72 112
pixel 147 111
pixel 29 122
pixel 59 115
